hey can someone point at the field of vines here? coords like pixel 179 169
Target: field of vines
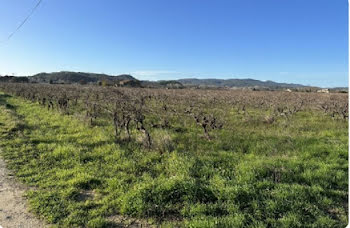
pixel 129 157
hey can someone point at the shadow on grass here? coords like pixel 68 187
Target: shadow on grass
pixel 3 101
pixel 21 127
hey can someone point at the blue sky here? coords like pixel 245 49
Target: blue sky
pixel 297 41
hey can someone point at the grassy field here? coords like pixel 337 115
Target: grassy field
pixel 291 173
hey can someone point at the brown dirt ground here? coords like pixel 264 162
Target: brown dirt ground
pixel 13 206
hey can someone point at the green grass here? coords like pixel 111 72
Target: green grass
pixel 292 173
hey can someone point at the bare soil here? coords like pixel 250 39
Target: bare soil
pixel 13 206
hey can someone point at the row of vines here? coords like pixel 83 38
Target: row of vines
pixel 138 111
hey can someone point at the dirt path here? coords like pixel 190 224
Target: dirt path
pixel 13 207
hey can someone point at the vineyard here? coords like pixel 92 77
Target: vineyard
pixel 100 156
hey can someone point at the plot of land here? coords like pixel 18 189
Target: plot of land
pixel 102 157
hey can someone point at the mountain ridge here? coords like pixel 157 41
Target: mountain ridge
pixel 83 77
pixel 71 77
pixel 234 82
pixel 77 77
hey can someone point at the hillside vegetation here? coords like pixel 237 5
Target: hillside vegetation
pixel 237 83
pixel 69 77
pixel 103 157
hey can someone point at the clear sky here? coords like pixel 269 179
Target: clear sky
pixel 297 41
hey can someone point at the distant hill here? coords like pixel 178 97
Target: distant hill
pixel 68 77
pixel 126 80
pixel 13 79
pixel 235 83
